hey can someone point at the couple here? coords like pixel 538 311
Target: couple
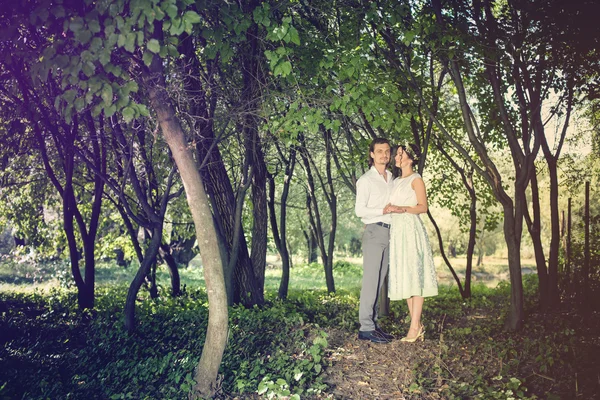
pixel 394 237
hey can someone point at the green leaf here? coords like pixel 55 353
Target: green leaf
pixel 58 11
pixel 286 68
pixel 130 42
pixel 69 96
pixel 163 52
pixel 140 38
pixel 97 110
pixel 123 101
pixel 294 36
pixel 57 103
pixel 107 94
pixel 96 44
pixel 131 86
pixel 76 25
pixel 171 10
pixel 112 40
pixel 159 14
pixel 88 69
pixel 147 58
pixel 104 57
pixel 109 28
pixel 121 40
pixel 128 114
pixel 187 27
pixel 177 26
pixel 153 45
pixel 210 52
pixel 142 110
pixel 79 104
pixel 192 17
pixel 94 26
pixel 110 111
pixel 409 37
pixel 150 14
pixel 83 36
pixel 172 51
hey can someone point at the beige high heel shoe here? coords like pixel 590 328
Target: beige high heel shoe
pixel 420 336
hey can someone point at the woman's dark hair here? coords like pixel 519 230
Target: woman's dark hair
pixel 413 151
pixel 372 148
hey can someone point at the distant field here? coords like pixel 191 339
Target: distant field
pixel 29 277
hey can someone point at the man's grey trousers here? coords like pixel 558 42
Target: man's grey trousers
pixel 375 247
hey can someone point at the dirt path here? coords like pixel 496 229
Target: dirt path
pixel 364 370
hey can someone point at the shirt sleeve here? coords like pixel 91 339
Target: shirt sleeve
pixel 362 200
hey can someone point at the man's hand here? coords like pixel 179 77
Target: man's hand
pixel 394 209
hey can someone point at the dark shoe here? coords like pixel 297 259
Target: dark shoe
pixel 373 336
pixel 384 334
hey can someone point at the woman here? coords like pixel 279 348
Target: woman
pixel 412 270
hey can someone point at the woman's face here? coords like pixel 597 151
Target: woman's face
pixel 402 159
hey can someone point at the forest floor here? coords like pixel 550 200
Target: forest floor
pixel 424 370
pixel 364 370
pixel 466 353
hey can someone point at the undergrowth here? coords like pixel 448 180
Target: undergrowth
pixel 51 350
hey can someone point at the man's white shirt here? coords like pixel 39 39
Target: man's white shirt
pixel 372 195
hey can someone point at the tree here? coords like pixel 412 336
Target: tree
pixel 142 35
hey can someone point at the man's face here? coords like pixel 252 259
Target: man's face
pixel 381 154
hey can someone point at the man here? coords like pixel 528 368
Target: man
pixel 373 190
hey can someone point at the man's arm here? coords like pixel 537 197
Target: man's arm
pixel 362 200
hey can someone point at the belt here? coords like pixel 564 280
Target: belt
pixel 383 224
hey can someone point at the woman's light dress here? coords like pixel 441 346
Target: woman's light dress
pixel 412 270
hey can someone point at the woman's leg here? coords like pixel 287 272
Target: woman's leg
pixel 415 307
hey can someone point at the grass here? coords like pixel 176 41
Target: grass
pixel 30 276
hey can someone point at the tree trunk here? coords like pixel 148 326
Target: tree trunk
pixel 280 235
pixel 241 279
pixel 534 227
pixel 314 215
pixel 311 245
pixel 143 271
pixel 515 318
pixel 165 253
pixel 553 293
pixel 584 294
pixel 216 335
pixel 472 237
pixel 568 250
pixel 251 95
pixel 443 253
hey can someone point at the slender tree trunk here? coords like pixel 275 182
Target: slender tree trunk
pixel 280 235
pixel 585 299
pixel 143 271
pixel 216 335
pixel 165 253
pixel 443 253
pixel 251 95
pixel 553 293
pixel 314 215
pixel 472 237
pixel 311 245
pixel 534 227
pixel 568 272
pixel 329 190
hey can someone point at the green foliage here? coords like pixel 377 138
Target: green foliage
pixel 90 354
pixel 277 351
